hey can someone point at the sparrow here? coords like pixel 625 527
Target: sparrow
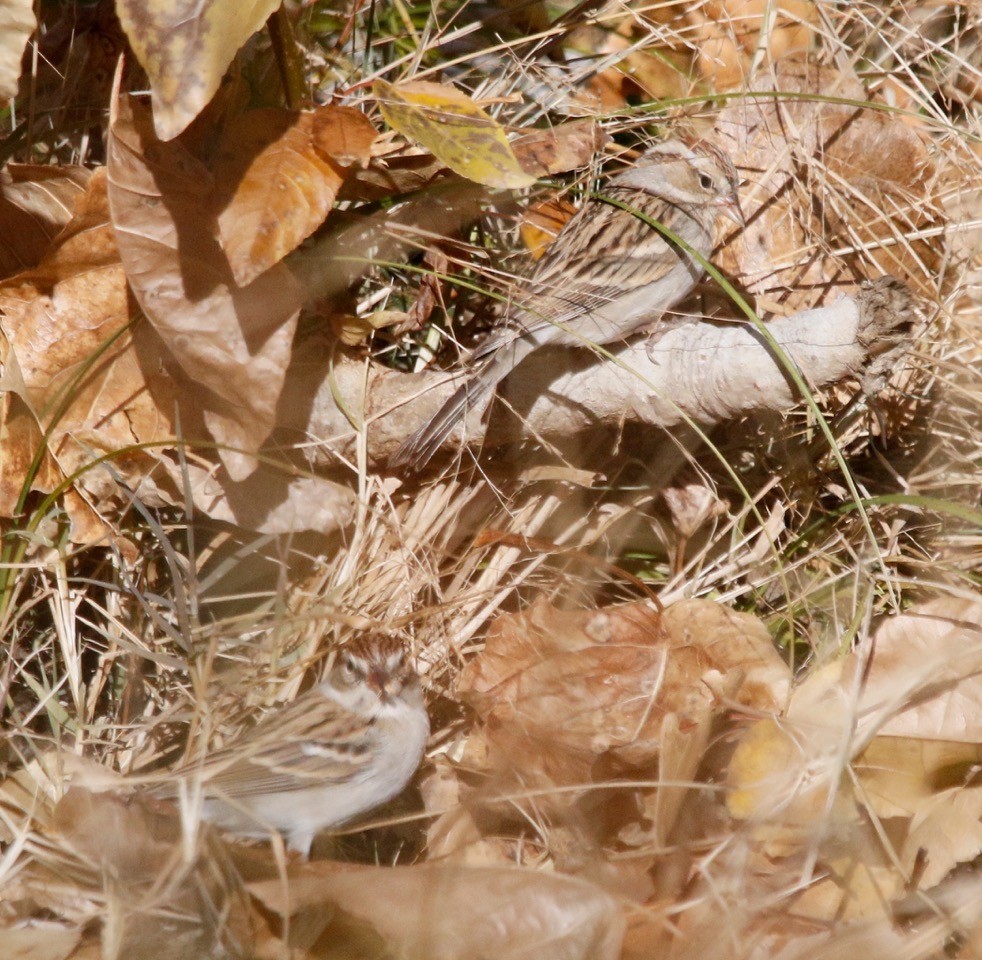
pixel 608 274
pixel 342 748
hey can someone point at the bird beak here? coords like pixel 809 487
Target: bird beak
pixel 730 208
pixel 376 680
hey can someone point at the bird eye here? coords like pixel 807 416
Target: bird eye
pixel 348 668
pixel 705 181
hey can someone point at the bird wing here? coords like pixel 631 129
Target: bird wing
pixel 309 742
pixel 600 257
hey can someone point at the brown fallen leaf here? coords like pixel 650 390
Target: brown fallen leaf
pixel 35 204
pixel 851 179
pixel 542 223
pixel 78 366
pixel 445 912
pixel 269 500
pixel 232 341
pixel 659 69
pixel 555 691
pixel 903 723
pixel 185 48
pixel 925 676
pixel 40 941
pixel 728 32
pixel 77 369
pixel 134 856
pixel 390 176
pixel 559 149
pixel 278 173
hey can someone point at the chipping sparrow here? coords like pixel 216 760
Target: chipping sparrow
pixel 335 752
pixel 607 275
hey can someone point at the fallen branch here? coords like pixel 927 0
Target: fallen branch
pixel 703 371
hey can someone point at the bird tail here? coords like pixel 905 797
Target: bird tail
pixel 417 450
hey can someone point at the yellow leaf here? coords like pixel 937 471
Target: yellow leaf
pixel 454 129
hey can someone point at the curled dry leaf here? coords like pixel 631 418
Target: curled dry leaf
pixel 556 690
pixel 445 912
pixel 391 176
pixel 185 48
pixel 354 331
pixel 908 721
pixel 232 341
pixel 691 503
pixel 851 180
pixel 36 202
pixel 278 173
pixel 453 128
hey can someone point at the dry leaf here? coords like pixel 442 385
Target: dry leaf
pixel 691 503
pixel 279 172
pixel 391 176
pixel 900 774
pixel 682 749
pixel 659 69
pixel 946 832
pixel 850 178
pixel 542 223
pixel 557 690
pixel 774 773
pixel 40 941
pixel 269 500
pixel 80 369
pixel 185 48
pixel 931 788
pixel 136 856
pixel 605 91
pixel 727 34
pixel 454 835
pixel 559 149
pixel 35 203
pixel 444 912
pixel 659 72
pixel 352 330
pixel 17 23
pixel 453 128
pixel 233 341
pixel 78 365
pixel 925 678
pixel 922 680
